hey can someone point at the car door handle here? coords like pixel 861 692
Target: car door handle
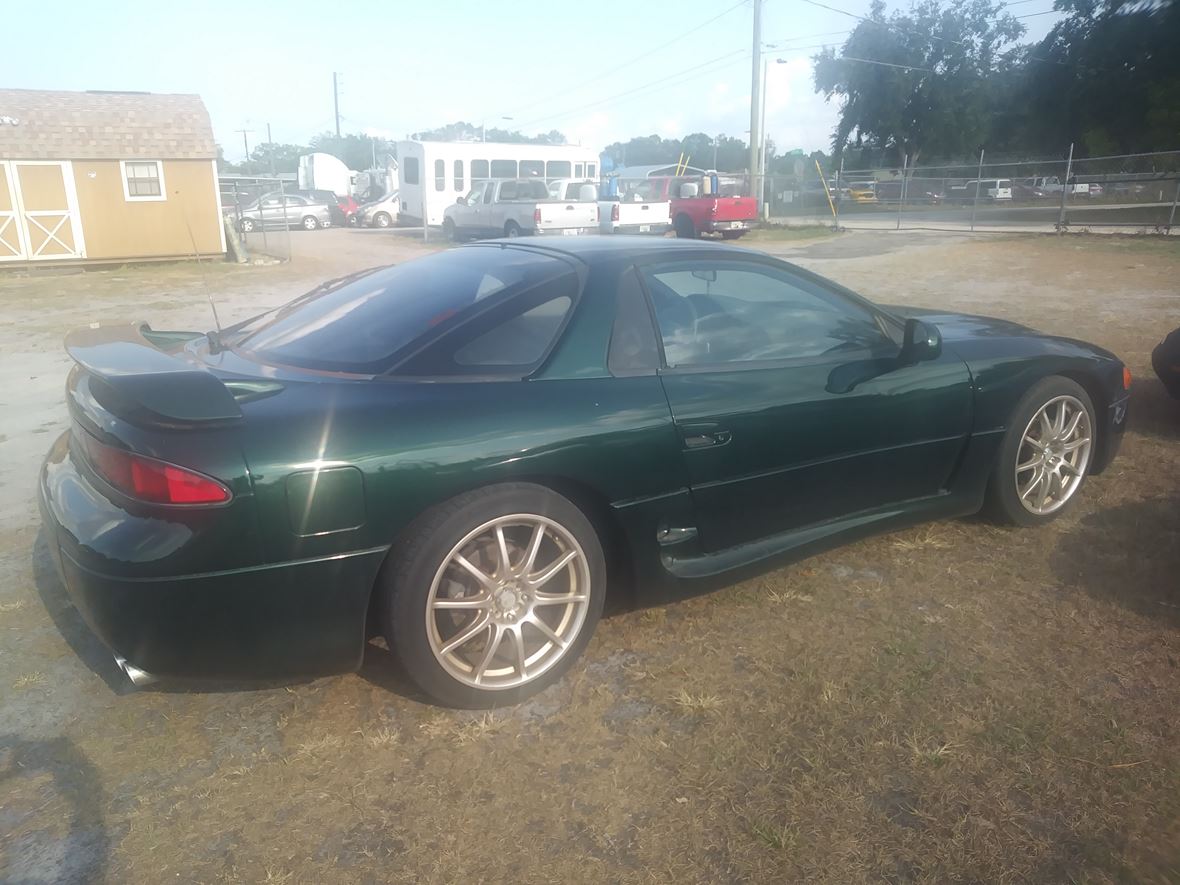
pixel 569 208
pixel 701 440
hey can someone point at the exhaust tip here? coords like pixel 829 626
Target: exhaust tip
pixel 138 677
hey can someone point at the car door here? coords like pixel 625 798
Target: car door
pixel 790 402
pixel 270 211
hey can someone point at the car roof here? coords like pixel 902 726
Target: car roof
pixel 589 248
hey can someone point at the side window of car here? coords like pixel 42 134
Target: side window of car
pixel 633 348
pixel 719 312
pixel 518 341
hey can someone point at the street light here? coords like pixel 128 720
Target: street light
pixel 762 153
pixel 483 129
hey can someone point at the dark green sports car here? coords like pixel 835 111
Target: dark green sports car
pixel 467 452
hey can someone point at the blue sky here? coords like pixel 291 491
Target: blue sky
pixel 598 71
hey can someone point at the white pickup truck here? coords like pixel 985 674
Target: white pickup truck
pixel 633 212
pixel 515 208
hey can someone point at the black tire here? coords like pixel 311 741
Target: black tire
pixel 512 229
pixel 684 227
pixel 309 222
pixel 248 225
pixel 382 219
pixel 416 559
pixel 1003 500
pixel 450 231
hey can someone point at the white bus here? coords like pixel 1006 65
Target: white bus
pixel 433 174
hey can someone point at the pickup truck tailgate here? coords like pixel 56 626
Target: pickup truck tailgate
pixel 736 209
pixel 567 215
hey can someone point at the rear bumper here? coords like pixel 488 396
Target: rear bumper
pixel 718 226
pixel 564 231
pixel 273 620
pixel 657 228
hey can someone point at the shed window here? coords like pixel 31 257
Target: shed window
pixel 532 169
pixel 143 180
pixel 479 169
pixel 459 176
pixel 440 175
pixel 503 169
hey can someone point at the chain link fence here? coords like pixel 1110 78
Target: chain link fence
pixel 1131 192
pixel 260 213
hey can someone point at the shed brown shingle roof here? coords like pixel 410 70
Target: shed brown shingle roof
pixel 103 126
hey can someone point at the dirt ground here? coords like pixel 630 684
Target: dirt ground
pixel 953 703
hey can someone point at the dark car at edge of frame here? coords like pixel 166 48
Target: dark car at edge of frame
pixel 466 452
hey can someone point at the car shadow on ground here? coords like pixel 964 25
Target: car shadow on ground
pixel 1153 412
pixel 46 842
pixel 1129 555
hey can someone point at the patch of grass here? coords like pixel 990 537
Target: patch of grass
pixel 461 732
pixel 791 232
pixel 380 738
pixel 29 680
pixel 697 703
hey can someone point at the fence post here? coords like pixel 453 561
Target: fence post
pixel 978 182
pixel 839 175
pixel 1172 214
pixel 905 164
pixel 1065 189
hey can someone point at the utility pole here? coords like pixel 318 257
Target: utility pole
pixel 245 142
pixel 336 101
pixel 271 145
pixel 756 104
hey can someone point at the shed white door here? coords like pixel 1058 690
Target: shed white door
pixel 46 205
pixel 12 239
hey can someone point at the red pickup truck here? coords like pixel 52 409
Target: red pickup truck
pixel 695 212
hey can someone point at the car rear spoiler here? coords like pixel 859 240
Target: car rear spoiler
pixel 136 375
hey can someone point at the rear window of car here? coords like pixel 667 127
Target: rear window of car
pixel 372 323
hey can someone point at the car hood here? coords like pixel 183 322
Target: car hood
pixel 964 326
pixel 975 334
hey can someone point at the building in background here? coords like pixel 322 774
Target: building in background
pixel 106 176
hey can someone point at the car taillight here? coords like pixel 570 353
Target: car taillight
pixel 614 212
pixel 147 479
pixel 537 216
pixel 1126 378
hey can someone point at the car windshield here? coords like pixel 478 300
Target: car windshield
pixel 362 324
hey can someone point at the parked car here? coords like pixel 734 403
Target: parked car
pixel 382 212
pixel 283 211
pixel 919 191
pixel 343 209
pixel 994 189
pixel 1037 187
pixel 1165 360
pixel 631 212
pixel 862 191
pixel 517 207
pixel 695 212
pixel 675 416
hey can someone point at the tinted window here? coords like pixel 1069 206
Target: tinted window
pixel 508 190
pixel 362 324
pixel 503 169
pixel 458 175
pixel 519 341
pixel 532 168
pixel 440 175
pixel 410 170
pixel 734 312
pixel 479 169
pixel 558 169
pixel 591 169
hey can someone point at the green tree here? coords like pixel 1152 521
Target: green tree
pixel 462 131
pixel 953 63
pixel 697 148
pixel 1107 77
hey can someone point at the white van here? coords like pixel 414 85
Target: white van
pixel 989 189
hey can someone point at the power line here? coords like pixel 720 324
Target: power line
pixel 614 69
pixel 695 71
pixel 886 64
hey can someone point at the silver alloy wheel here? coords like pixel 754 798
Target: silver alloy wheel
pixel 309 223
pixel 1053 455
pixel 488 620
pixel 382 220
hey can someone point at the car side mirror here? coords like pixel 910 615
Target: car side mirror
pixel 461 201
pixel 921 342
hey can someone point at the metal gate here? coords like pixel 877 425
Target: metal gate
pixel 39 212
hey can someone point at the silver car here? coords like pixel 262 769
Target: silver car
pixel 280 211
